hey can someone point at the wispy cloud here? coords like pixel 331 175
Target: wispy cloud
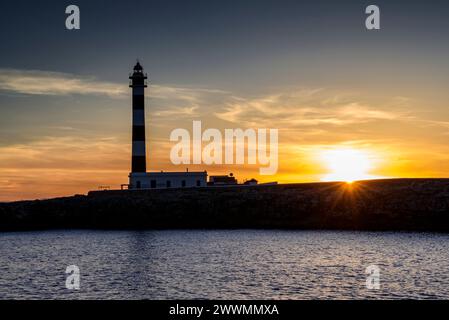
pixel 167 100
pixel 57 166
pixel 56 84
pixel 174 102
pixel 304 108
pixel 178 111
pixel 192 94
pixel 66 152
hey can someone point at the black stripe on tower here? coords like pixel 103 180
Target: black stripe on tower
pixel 138 157
pixel 138 102
pixel 139 164
pixel 138 133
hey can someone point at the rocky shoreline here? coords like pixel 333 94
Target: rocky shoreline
pixel 384 205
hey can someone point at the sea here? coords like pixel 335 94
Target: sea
pixel 223 264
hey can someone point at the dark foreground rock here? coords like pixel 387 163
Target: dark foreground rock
pixel 403 204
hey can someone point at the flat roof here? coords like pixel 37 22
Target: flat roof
pixel 183 173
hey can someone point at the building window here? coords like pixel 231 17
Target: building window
pixel 198 183
pixel 168 184
pixel 138 185
pixel 153 184
pixel 183 183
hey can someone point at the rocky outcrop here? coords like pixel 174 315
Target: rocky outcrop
pixel 403 204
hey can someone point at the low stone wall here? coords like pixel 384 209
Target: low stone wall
pixel 403 204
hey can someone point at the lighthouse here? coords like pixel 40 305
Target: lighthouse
pixel 138 84
pixel 139 178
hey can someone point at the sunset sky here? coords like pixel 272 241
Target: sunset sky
pixel 309 69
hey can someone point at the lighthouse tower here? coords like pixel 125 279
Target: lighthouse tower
pixel 138 83
pixel 139 178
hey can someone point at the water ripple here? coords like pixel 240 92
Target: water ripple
pixel 244 264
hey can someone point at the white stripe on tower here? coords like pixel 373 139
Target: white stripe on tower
pixel 139 148
pixel 138 117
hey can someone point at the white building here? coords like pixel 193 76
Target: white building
pixel 164 180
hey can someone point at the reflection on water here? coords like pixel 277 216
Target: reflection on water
pixel 242 264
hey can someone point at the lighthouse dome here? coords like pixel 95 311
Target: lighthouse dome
pixel 138 67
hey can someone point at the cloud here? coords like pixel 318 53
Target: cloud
pixel 191 94
pixel 179 111
pixel 66 153
pixel 56 84
pixel 173 102
pixel 435 123
pixel 167 101
pixel 304 108
pixel 57 166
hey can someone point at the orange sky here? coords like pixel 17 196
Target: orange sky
pixel 399 135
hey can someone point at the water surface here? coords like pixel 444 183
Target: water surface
pixel 243 264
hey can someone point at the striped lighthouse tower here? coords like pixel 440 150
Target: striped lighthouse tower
pixel 138 84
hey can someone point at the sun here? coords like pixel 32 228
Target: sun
pixel 347 164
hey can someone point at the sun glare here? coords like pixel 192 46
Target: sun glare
pixel 347 165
